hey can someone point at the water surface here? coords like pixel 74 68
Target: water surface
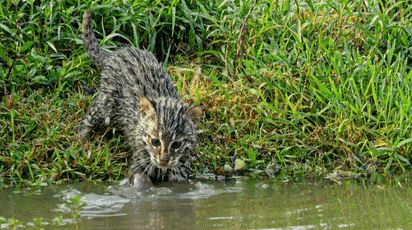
pixel 242 204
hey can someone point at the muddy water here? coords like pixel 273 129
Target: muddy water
pixel 243 204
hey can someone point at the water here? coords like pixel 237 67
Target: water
pixel 243 204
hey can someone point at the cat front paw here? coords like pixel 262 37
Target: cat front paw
pixel 137 180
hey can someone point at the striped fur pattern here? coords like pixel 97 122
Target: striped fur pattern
pixel 137 96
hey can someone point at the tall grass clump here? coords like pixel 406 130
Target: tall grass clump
pixel 294 88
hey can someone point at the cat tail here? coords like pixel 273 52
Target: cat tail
pixel 96 53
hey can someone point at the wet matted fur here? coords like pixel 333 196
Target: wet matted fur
pixel 138 97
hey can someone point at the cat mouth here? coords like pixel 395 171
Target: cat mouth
pixel 163 163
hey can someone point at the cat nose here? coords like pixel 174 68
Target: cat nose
pixel 164 160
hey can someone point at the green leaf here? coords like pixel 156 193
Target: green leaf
pixel 27 45
pixel 52 46
pixel 39 79
pixel 7 29
pixel 406 141
pixel 401 158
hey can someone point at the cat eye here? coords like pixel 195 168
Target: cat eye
pixel 155 142
pixel 176 145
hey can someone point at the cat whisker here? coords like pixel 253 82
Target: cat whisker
pixel 149 168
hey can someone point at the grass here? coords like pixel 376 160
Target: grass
pixel 295 88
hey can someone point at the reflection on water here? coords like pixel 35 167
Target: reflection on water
pixel 243 204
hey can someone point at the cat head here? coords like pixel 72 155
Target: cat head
pixel 168 131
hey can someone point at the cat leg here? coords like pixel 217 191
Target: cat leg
pixel 98 115
pixel 137 180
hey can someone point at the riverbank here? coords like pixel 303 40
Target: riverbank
pixel 294 90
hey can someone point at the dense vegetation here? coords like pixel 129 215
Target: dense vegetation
pixel 295 88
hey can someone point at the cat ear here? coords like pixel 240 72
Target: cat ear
pixel 195 113
pixel 147 110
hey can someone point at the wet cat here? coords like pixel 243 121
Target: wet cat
pixel 136 96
